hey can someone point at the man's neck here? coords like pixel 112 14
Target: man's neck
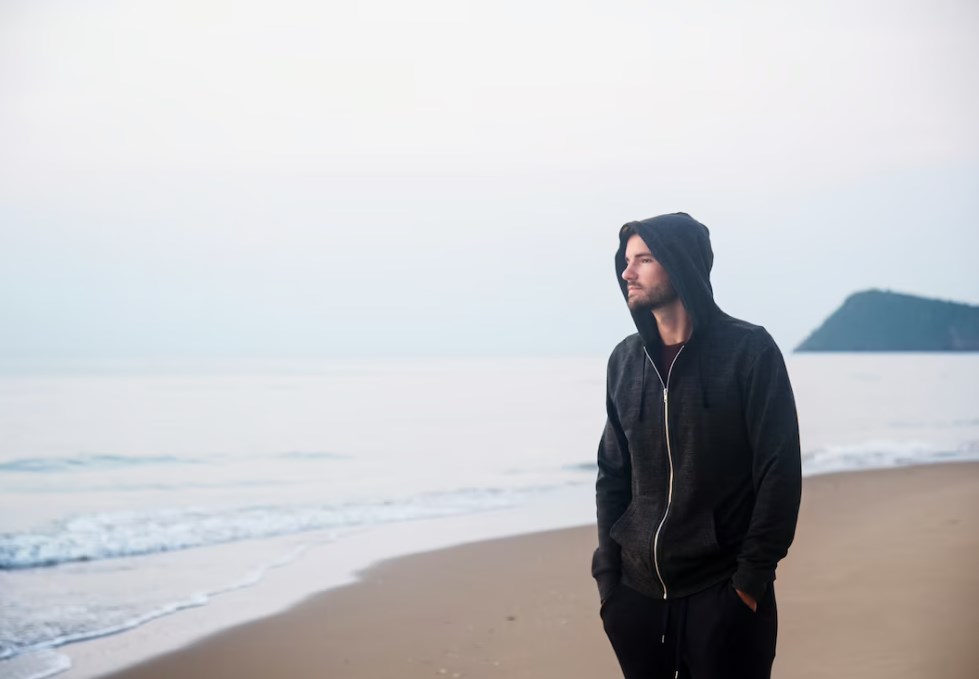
pixel 673 323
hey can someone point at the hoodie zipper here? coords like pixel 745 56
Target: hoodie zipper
pixel 669 456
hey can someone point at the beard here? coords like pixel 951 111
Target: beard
pixel 650 299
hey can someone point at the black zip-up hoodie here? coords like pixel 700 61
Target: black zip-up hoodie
pixel 699 470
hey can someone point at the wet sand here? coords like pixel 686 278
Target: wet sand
pixel 882 581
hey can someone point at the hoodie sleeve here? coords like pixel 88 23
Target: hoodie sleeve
pixel 613 493
pixel 773 432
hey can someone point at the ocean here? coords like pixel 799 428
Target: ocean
pixel 131 495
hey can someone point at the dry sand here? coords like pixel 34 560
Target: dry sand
pixel 882 581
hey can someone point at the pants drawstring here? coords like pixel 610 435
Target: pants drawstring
pixel 681 623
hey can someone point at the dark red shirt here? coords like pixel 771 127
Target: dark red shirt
pixel 666 358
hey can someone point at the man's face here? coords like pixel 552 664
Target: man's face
pixel 649 285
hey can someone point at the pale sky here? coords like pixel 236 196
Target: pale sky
pixel 217 178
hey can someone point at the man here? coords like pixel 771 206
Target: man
pixel 699 475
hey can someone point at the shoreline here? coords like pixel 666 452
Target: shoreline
pixel 879 583
pixel 324 567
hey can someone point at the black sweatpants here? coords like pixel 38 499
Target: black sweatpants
pixel 708 635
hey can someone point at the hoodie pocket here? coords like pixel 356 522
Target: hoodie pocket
pixel 634 533
pixel 690 543
pixel 616 531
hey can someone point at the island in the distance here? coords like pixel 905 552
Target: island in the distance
pixel 880 320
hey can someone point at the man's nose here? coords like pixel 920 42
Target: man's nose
pixel 628 273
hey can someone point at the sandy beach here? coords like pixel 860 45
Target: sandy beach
pixel 882 581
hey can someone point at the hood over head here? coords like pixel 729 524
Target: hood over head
pixel 681 244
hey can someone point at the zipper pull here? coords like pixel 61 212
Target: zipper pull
pixel 666 398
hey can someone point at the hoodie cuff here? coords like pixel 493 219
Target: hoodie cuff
pixel 606 583
pixel 750 585
pixel 607 570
